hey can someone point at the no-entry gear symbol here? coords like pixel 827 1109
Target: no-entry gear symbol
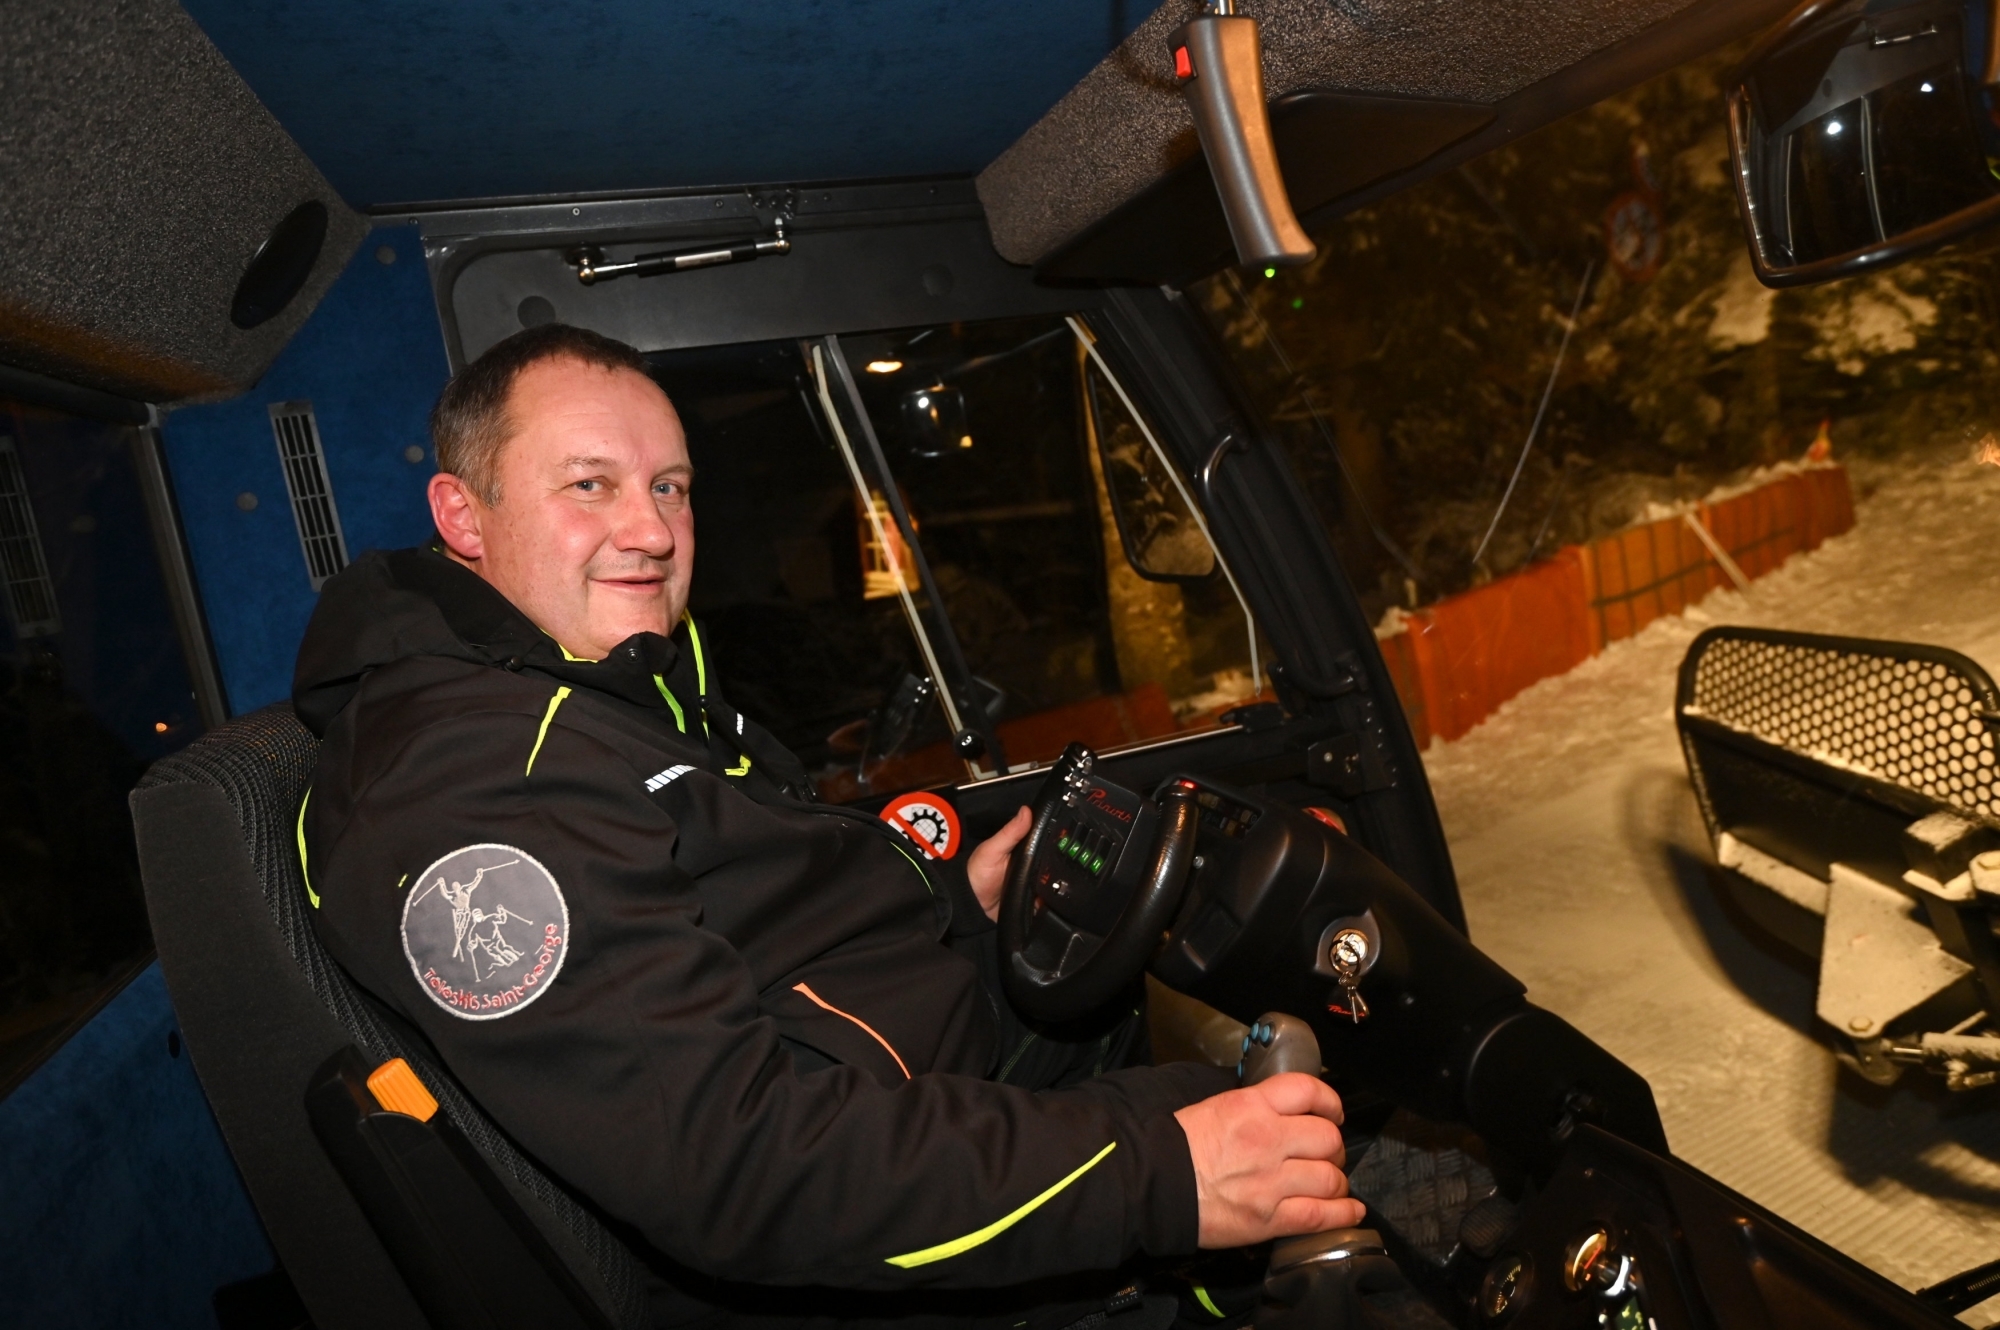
pixel 929 820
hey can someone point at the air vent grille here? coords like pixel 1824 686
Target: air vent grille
pixel 313 508
pixel 31 596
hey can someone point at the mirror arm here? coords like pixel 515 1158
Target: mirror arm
pixel 1226 445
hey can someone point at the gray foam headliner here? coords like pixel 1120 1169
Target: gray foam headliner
pixel 1125 124
pixel 137 176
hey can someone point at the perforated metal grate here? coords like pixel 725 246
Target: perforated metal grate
pixel 1917 717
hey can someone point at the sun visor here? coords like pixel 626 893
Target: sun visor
pixel 161 237
pixel 1365 98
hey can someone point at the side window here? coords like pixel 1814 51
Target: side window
pixel 93 687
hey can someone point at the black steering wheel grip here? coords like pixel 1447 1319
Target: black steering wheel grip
pixel 1053 971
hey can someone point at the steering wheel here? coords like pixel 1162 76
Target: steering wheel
pixel 1060 957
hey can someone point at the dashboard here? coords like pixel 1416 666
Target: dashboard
pixel 1269 910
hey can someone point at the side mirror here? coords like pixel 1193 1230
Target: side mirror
pixel 1864 133
pixel 934 420
pixel 890 725
pixel 1162 540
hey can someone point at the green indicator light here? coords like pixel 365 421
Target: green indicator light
pixel 1298 302
pixel 1270 272
pixel 1097 864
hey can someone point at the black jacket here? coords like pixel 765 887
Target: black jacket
pixel 731 1017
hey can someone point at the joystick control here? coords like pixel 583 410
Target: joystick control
pixel 1316 1281
pixel 1277 1043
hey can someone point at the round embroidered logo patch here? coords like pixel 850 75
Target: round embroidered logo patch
pixel 928 820
pixel 486 929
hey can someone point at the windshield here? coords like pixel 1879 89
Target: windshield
pixel 1060 585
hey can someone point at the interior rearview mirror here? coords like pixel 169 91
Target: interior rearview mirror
pixel 934 420
pixel 1863 133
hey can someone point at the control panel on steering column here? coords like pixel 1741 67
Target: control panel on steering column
pixel 1081 868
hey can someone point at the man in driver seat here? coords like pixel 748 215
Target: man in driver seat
pixel 753 1028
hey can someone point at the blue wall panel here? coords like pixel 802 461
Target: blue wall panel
pixel 127 1210
pixel 371 361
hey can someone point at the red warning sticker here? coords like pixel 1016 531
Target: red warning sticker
pixel 928 820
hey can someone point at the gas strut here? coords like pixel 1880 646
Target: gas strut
pixel 591 267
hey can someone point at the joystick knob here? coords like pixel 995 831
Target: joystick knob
pixel 1277 1043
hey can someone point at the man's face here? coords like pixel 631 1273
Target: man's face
pixel 593 537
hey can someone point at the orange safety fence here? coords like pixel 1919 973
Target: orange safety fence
pixel 1401 658
pixel 1642 573
pixel 1829 504
pixel 1476 650
pixel 1457 661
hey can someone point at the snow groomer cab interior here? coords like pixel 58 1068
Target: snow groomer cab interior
pixel 985 520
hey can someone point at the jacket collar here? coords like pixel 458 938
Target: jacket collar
pixel 642 670
pixel 388 606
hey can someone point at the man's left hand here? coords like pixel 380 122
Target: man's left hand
pixel 987 867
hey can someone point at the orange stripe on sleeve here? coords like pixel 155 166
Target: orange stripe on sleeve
pixel 821 1002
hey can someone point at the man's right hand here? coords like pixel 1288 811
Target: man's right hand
pixel 1268 1161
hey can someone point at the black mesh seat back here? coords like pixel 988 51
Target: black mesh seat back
pixel 261 764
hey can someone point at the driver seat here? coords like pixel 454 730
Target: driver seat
pixel 267 1014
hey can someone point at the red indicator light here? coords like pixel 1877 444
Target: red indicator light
pixel 1329 817
pixel 1183 67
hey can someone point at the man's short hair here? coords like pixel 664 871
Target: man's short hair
pixel 470 424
